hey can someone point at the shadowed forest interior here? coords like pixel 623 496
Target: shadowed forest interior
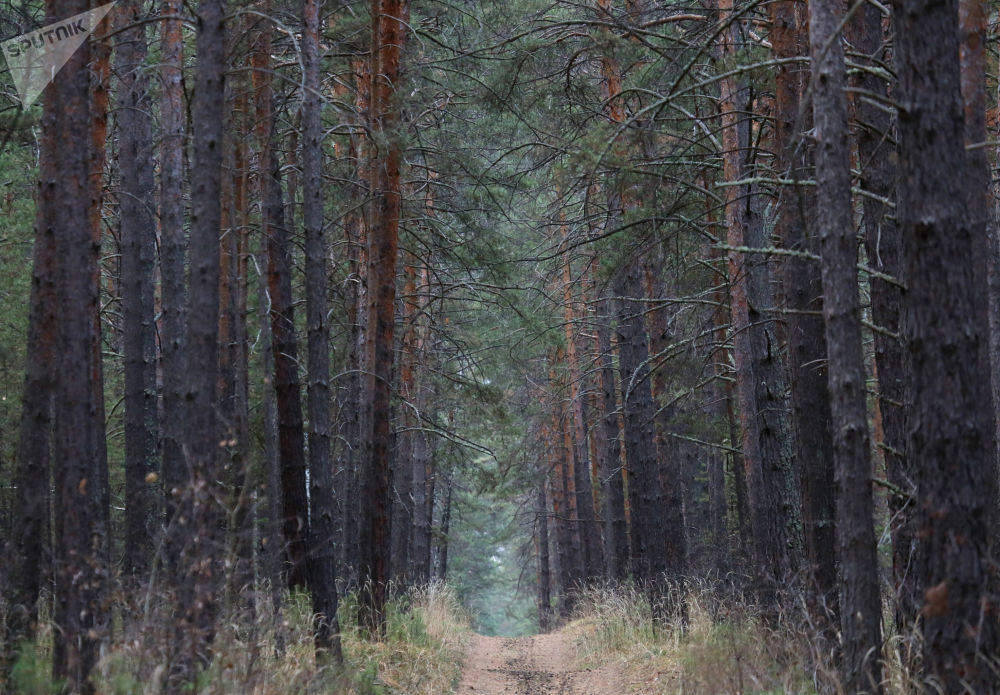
pixel 338 337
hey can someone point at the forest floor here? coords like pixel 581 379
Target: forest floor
pixel 544 664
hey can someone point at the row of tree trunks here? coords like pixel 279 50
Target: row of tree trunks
pixel 284 345
pixel 60 407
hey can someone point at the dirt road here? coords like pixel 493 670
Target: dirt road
pixel 536 665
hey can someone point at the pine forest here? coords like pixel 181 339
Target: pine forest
pixel 552 347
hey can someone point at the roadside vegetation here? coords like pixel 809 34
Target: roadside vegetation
pixel 422 654
pixel 723 647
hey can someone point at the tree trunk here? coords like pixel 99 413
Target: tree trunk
pixel 441 566
pixel 973 18
pixel 644 492
pixel 875 142
pixel 29 545
pixel 202 518
pixel 576 425
pixel 284 346
pixel 544 595
pixel 272 536
pixel 670 471
pixel 860 618
pixel 66 197
pixel 135 161
pixel 616 550
pixel 322 570
pixel 803 294
pixel 950 444
pixel 388 34
pixel 172 290
pixel 358 400
pixel 764 435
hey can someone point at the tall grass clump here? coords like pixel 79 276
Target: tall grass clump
pixel 711 643
pixel 427 631
pixel 721 644
pixel 260 652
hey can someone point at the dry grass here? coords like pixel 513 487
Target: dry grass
pixel 421 654
pixel 725 648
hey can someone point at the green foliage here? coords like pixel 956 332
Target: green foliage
pixel 17 209
pixel 32 672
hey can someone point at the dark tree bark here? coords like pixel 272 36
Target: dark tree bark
pixel 356 409
pixel 544 595
pixel 760 389
pixel 172 289
pixel 860 618
pixel 586 521
pixel 645 497
pixel 616 551
pixel 322 569
pixel 138 245
pixel 28 545
pixel 271 535
pixel 670 470
pixel 441 566
pixel 973 20
pixel 876 144
pixel 950 445
pixel 67 196
pixel 284 346
pixel 803 294
pixel 201 522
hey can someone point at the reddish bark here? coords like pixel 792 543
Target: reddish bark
pixel 576 431
pixel 389 19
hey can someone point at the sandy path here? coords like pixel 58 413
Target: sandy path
pixel 536 665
